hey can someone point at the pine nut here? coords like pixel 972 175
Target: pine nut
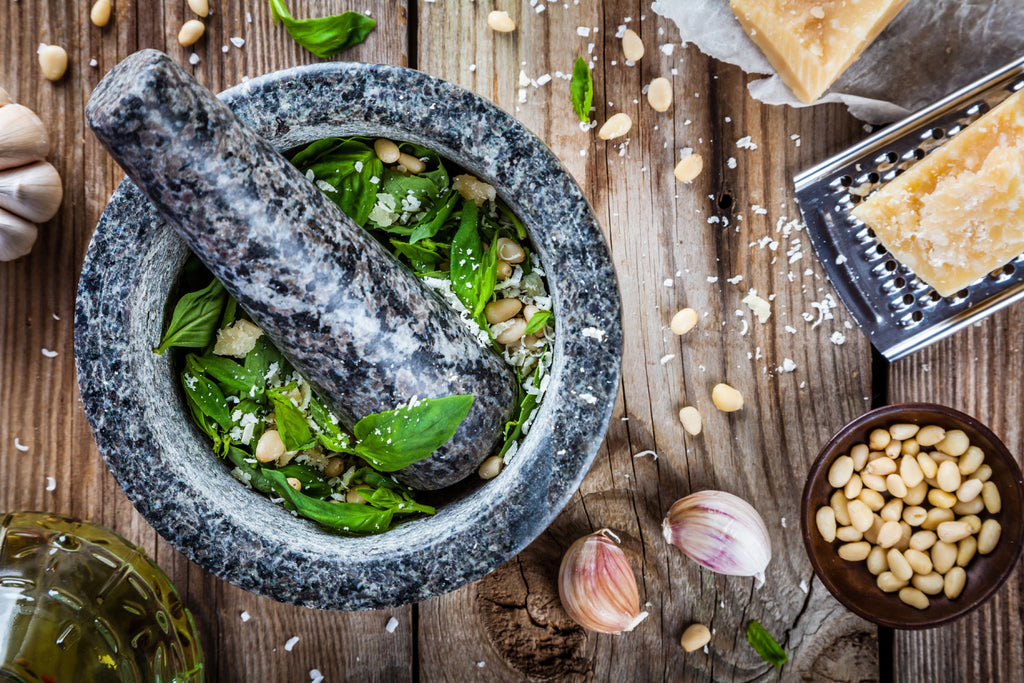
pixel 914 515
pixel 659 94
pixel 906 531
pixel 848 534
pixel 914 598
pixel 915 494
pixel 971 460
pixel 190 33
pixel 386 150
pixel 294 483
pixel 632 46
pixel 414 165
pixel 490 468
pixel 504 270
pixel 889 534
pixel 879 439
pixel 973 521
pixel 951 532
pixel 825 518
pixel 969 490
pixel 939 457
pixel 270 447
pixel 513 333
pixel 873 499
pixel 529 312
pixel 923 540
pixel 726 399
pixel 615 127
pixel 334 467
pixel 956 443
pixel 853 487
pixel 871 535
pixel 200 7
pixel 935 517
pixel 876 561
pixel 688 168
pixel 888 583
pixel 930 435
pixel 983 473
pixel 501 22
pixel 873 481
pixel 910 471
pixel 859 453
pixel 838 503
pixel 100 13
pixel 943 556
pixel 894 448
pixel 692 423
pixel 501 310
pixel 840 472
pixel 510 251
pixel 854 552
pixel 988 537
pixel 903 431
pixel 929 583
pixel 965 551
pixel 898 565
pixel 695 637
pixel 894 484
pixel 352 496
pixel 928 466
pixel 971 507
pixel 948 476
pixel 892 511
pixel 955 580
pixel 910 447
pixel 861 516
pixel 683 321
pixel 882 466
pixel 53 60
pixel 991 498
pixel 941 499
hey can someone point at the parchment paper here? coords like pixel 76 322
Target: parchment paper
pixel 931 49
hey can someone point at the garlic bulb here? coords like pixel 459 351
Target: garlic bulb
pixel 721 532
pixel 16 236
pixel 32 192
pixel 22 137
pixel 597 586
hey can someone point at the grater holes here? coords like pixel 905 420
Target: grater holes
pixel 937 133
pixel 846 181
pixel 917 316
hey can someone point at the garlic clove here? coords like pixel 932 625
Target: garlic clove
pixel 33 192
pixel 16 236
pixel 4 97
pixel 597 586
pixel 23 138
pixel 721 532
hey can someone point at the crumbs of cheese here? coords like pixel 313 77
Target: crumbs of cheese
pixel 811 42
pixel 958 214
pixel 761 308
pixel 237 340
pixel 473 189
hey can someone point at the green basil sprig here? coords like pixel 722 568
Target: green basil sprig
pixel 350 167
pixel 395 438
pixel 765 645
pixel 349 517
pixel 325 36
pixel 291 423
pixel 581 89
pixel 537 322
pixel 195 320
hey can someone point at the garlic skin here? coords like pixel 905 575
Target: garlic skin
pixel 597 586
pixel 721 532
pixel 23 138
pixel 4 97
pixel 33 192
pixel 16 236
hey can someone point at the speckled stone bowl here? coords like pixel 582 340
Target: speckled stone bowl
pixel 135 406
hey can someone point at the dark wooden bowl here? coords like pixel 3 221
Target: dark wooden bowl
pixel 852 583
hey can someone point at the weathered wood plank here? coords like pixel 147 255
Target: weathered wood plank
pixel 38 395
pixel 975 371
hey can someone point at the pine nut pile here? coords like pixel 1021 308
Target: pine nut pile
pixel 908 504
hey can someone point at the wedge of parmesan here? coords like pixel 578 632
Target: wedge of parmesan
pixel 811 42
pixel 958 214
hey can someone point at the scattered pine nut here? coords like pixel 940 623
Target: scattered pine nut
pixel 490 468
pixel 726 398
pixel 615 127
pixel 990 497
pixel 100 13
pixel 825 519
pixel 953 585
pixel 988 537
pixel 632 46
pixel 683 321
pixel 200 7
pixel 53 59
pixel 690 418
pixel 695 637
pixel 190 33
pixel 501 22
pixel 688 168
pixel 659 94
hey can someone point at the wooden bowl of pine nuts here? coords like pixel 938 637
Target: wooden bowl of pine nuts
pixel 912 515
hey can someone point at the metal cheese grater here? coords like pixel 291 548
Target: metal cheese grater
pixel 900 313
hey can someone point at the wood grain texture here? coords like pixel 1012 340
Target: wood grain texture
pixel 976 371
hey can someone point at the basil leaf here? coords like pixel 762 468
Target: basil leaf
pixel 765 645
pixel 526 407
pixel 368 475
pixel 581 89
pixel 420 258
pixel 435 218
pixel 486 279
pixel 327 36
pixel 245 382
pixel 330 435
pixel 313 483
pixel 348 166
pixel 240 459
pixel 537 322
pixel 514 219
pixel 393 439
pixel 349 517
pixel 195 318
pixel 205 394
pixel 398 503
pixel 291 423
pixel 204 425
pixel 258 411
pixel 467 251
pixel 263 356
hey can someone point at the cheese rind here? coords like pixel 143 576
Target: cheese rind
pixel 958 214
pixel 811 42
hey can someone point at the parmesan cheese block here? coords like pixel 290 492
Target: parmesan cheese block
pixel 958 214
pixel 811 42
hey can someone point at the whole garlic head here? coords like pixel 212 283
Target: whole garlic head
pixel 33 192
pixel 23 138
pixel 597 586
pixel 16 236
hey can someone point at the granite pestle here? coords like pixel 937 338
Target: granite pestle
pixel 363 330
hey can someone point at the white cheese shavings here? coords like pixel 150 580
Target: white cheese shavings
pixel 49 354
pixel 292 642
pixel 20 446
pixel 392 625
pixel 589 398
pixel 237 42
pixel 593 333
pixel 244 616
pixel 666 358
pixel 838 338
pixel 315 676
pixel 787 365
pixel 761 308
pixel 746 143
pixel 51 484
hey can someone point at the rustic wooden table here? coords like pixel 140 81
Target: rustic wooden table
pixel 702 245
